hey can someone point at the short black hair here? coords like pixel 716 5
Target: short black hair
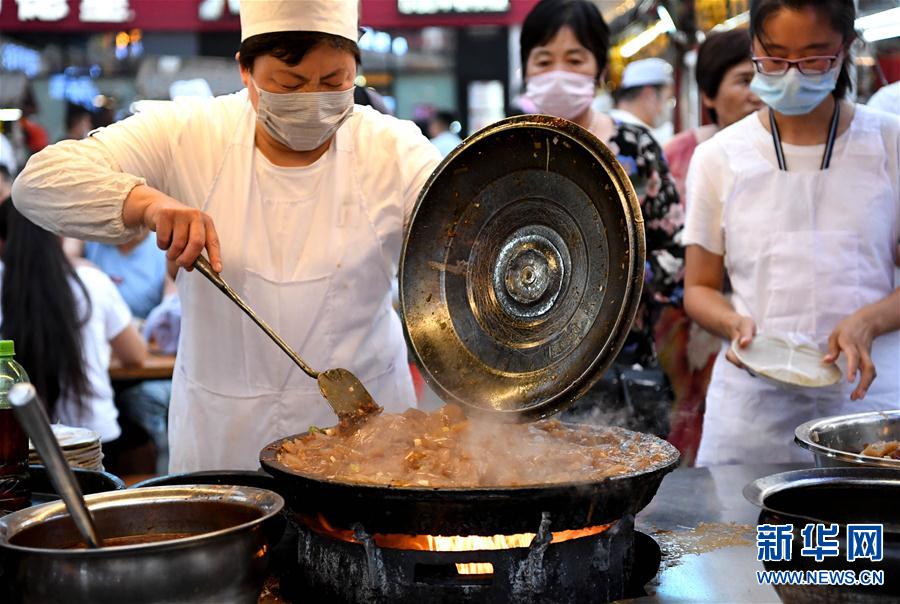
pixel 841 14
pixel 444 117
pixel 720 52
pixel 549 16
pixel 75 112
pixel 633 92
pixel 290 46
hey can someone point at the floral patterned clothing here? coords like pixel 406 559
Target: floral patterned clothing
pixel 644 162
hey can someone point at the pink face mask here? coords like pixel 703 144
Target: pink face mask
pixel 561 93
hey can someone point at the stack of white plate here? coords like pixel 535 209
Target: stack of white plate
pixel 81 447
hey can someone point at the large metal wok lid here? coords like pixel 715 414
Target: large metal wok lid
pixel 522 268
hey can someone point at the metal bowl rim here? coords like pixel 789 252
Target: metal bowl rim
pixel 803 431
pixel 268 459
pixel 269 503
pixel 757 491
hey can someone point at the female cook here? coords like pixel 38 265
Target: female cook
pixel 300 200
pixel 800 202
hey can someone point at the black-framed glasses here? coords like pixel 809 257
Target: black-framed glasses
pixel 807 66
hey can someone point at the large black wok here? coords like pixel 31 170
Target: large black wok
pixel 472 511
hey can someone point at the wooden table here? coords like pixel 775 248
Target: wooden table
pixel 156 367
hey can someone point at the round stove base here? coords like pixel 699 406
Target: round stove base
pixel 609 566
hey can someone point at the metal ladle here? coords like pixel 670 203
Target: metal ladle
pixel 344 392
pixel 30 413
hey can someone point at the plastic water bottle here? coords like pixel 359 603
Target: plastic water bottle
pixel 14 491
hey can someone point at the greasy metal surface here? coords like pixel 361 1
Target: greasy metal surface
pixel 837 441
pixel 225 562
pixel 479 510
pixel 689 499
pixel 522 269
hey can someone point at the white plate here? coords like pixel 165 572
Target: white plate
pixel 70 437
pixel 783 363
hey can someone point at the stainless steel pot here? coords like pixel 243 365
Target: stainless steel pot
pixel 837 441
pixel 223 560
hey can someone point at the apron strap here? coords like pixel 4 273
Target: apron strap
pixel 829 143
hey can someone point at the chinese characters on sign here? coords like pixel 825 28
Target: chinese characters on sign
pixel 97 11
pixel 773 542
pixel 820 541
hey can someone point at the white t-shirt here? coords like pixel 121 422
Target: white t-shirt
pixel 710 178
pixel 109 317
pixel 291 193
pixel 887 99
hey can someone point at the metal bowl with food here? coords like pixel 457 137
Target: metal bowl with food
pixel 852 440
pixel 161 544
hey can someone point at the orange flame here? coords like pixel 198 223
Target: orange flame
pixel 439 543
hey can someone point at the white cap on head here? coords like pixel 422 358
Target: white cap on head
pixel 336 17
pixel 647 72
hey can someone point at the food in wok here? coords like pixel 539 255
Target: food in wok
pixel 887 449
pixel 445 449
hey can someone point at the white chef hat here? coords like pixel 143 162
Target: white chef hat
pixel 647 72
pixel 337 17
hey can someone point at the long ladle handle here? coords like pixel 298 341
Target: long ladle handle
pixel 30 413
pixel 206 269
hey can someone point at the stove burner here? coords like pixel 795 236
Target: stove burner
pixel 609 565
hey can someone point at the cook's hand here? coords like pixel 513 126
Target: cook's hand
pixel 742 329
pixel 182 231
pixel 853 337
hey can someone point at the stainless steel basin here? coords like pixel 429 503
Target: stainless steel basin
pixel 221 555
pixel 837 441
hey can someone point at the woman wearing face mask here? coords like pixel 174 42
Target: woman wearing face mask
pixel 801 202
pixel 300 200
pixel 564 46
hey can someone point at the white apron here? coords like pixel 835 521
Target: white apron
pixel 803 251
pixel 233 390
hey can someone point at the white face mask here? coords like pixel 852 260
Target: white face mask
pixel 303 121
pixel 666 115
pixel 561 93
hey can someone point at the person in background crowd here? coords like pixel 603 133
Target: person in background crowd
pixel 686 351
pixel 7 156
pixel 645 97
pixel 800 201
pixel 36 137
pixel 443 131
pixel 79 121
pixel 887 99
pixel 6 181
pixel 366 95
pixel 723 73
pixel 564 47
pixel 138 269
pixel 65 322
